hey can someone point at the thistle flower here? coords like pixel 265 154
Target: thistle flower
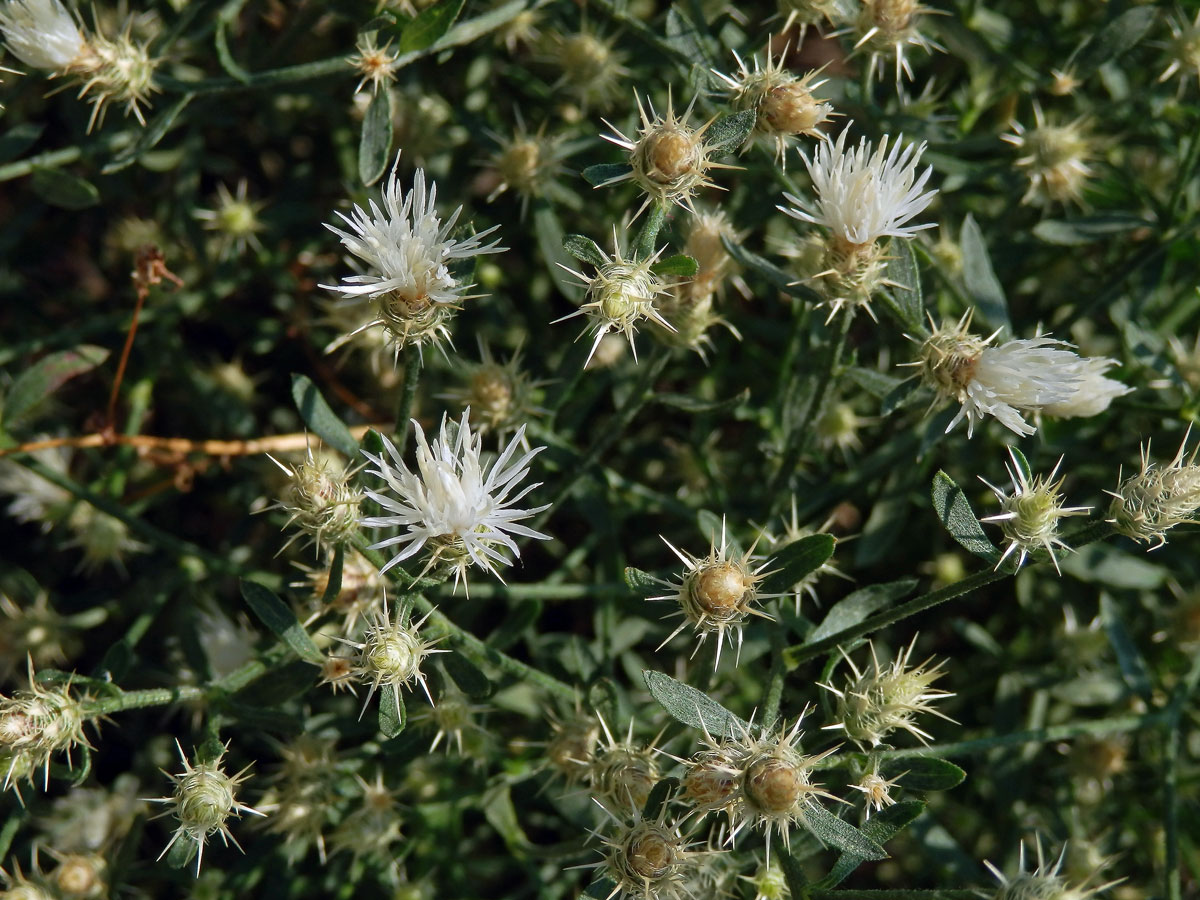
pixel 716 594
pixel 1147 505
pixel 570 751
pixel 203 802
pixel 669 159
pixel 43 34
pixel 877 790
pixel 647 859
pixel 322 503
pixel 863 195
pixel 391 653
pixel 619 295
pixel 885 28
pixel 621 774
pixel 234 219
pixel 528 164
pixel 1015 377
pixel 465 511
pixel 1044 882
pixel 36 723
pixel 1054 159
pixel 785 105
pixel 407 250
pixel 1029 515
pixel 884 699
pixel 376 64
pixel 1183 48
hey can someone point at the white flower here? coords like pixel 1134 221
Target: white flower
pixel 864 194
pixel 453 502
pixel 1095 392
pixel 42 33
pixel 408 250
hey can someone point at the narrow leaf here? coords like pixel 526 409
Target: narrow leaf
pixel 393 715
pixel 17 140
pixel 881 827
pixel 855 608
pixel 925 773
pixel 904 289
pixel 429 26
pixel 221 39
pixel 1074 232
pixel 333 585
pixel 274 613
pixel 602 174
pixel 643 583
pixel 904 394
pixel 468 676
pixel 730 131
pixel 693 708
pixel 713 527
pixel 155 130
pixel 795 561
pixel 1118 36
pixel 679 265
pixel 955 513
pixel 777 277
pixel 877 384
pixel 979 278
pixel 375 145
pixel 318 415
pixel 691 404
pixel 1133 667
pixel 550 242
pixel 583 248
pixel 658 796
pixel 60 188
pixel 46 376
pixel 841 834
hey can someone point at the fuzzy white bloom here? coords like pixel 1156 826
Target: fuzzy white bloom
pixel 864 194
pixel 1096 392
pixel 453 501
pixel 408 250
pixel 42 33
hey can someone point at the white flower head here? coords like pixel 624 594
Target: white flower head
pixel 1096 391
pixel 42 34
pixel 464 510
pixel 864 194
pixel 408 251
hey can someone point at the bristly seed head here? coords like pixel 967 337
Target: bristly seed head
pixel 1147 505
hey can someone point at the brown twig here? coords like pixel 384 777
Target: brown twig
pixel 278 443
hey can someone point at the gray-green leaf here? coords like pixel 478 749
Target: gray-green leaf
pixel 691 707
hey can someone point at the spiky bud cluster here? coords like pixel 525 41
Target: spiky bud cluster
pixel 647 859
pixel 570 751
pixel 1147 505
pixel 1029 514
pixel 621 774
pixel 321 500
pixel 592 70
pixel 301 795
pixel 501 396
pixel 1044 883
pixel 1054 157
pixel 877 701
pixel 36 723
pixel 204 800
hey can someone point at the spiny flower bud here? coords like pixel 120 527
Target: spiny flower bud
pixel 1147 505
pixel 1054 159
pixel 876 702
pixel 376 64
pixel 1183 49
pixel 886 28
pixel 372 828
pixel 716 593
pixel 1044 882
pixel 500 396
pixel 621 775
pixel 391 654
pixel 705 244
pixel 877 790
pixel 808 12
pixel 647 859
pixel 689 307
pixel 570 750
pixel 785 105
pixel 620 294
pixel 362 590
pixel 528 164
pixel 234 219
pixel 669 159
pixel 203 802
pixel 1029 515
pixel 118 69
pixel 80 874
pixel 592 69
pixel 38 722
pixel 322 503
pixel 453 717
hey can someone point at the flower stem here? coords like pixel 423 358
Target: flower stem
pixel 412 376
pixel 774 692
pixel 643 245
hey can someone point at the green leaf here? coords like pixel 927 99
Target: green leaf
pixel 605 173
pixel 680 265
pixel 502 815
pixel 375 145
pixel 691 707
pixel 181 852
pixel 658 796
pixel 19 139
pixel 904 290
pixel 274 613
pixel 468 676
pixel 59 677
pixel 925 773
pixel 584 248
pixel 730 131
pixel 979 278
pixel 602 888
pixel 1113 568
pixel 1133 667
pixel 1118 36
pixel 429 26
pixel 156 129
pixel 221 38
pixel 643 583
pixel 881 827
pixel 518 618
pixel 333 586
pixel 393 715
pixel 1073 232
pixel 795 561
pixel 856 607
pixel 878 384
pixel 695 405
pixel 318 415
pixel 955 513
pixel 777 277
pixel 905 393
pixel 839 833
pixel 793 874
pixel 47 375
pixel 1021 462
pixel 60 188
pixel 383 22
pixel 690 41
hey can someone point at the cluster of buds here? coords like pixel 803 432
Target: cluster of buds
pixel 322 503
pixel 1147 505
pixel 784 104
pixel 716 594
pixel 204 800
pixel 1019 376
pixel 45 35
pixel 36 723
pixel 875 702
